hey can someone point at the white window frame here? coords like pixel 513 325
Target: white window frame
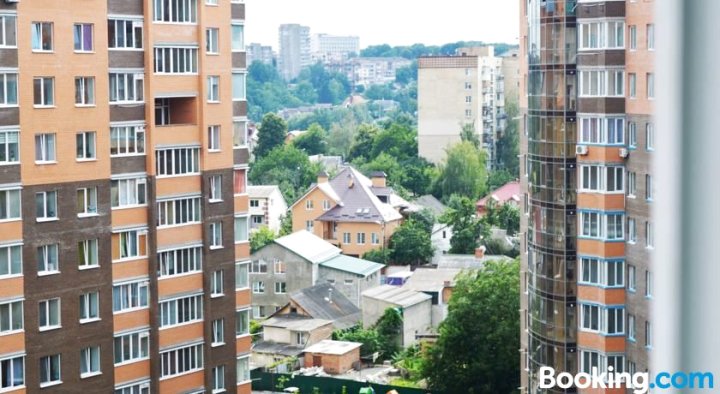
pixel 121 40
pixel 127 87
pixel 9 79
pixel 131 296
pixel 607 35
pixel 87 312
pixel 88 254
pixel 609 179
pixel 216 235
pixel 242 275
pixel 601 78
pixel 181 311
pixel 280 287
pixel 602 273
pixel 279 267
pixel 632 278
pixel 235 46
pixel 179 262
pixel 87 201
pixel 597 130
pixel 11 257
pixel 242 76
pixel 4 28
pixel 12 318
pixel 179 11
pixel 649 137
pixel 238 238
pixel 649 235
pixel 245 361
pixel 12 201
pixel 213 138
pixel 134 388
pixel 242 325
pixel 218 332
pixel 179 212
pixel 85 149
pixel 632 37
pixel 50 362
pixel 258 287
pixel 218 376
pixel 650 36
pixel 240 133
pixel 44 307
pixel 631 327
pixel 361 238
pixel 187 359
pixel 217 284
pixel 215 183
pixel 128 193
pixel 632 230
pixel 45 256
pixel 347 238
pixel 138 344
pixel 189 166
pixel 46 146
pixel 13 362
pixel 84 91
pixel 213 89
pixel 47 98
pixel 79 31
pixel 604 220
pixel 631 184
pixel 175 60
pixel 37 34
pixel 126 243
pixel 212 41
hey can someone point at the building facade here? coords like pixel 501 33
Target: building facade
pixel 586 100
pixel 294 52
pixel 123 213
pixel 260 53
pixel 330 48
pixel 267 207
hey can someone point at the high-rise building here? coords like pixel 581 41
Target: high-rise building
pixel 586 101
pixel 123 207
pixel 260 53
pixel 329 48
pixel 294 53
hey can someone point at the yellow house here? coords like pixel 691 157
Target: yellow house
pixel 351 211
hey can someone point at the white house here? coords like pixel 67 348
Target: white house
pixel 267 207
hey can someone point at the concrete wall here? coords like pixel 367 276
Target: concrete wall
pixel 333 363
pixel 416 318
pixel 299 275
pixel 352 290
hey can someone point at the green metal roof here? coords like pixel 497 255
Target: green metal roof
pixel 352 264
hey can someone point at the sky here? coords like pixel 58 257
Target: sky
pixel 394 22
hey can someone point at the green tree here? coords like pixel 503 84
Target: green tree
pixel 285 166
pixel 468 133
pixel 272 133
pixel 467 228
pixel 505 216
pixel 363 142
pixel 498 178
pixel 379 255
pixel 341 136
pixel 411 244
pixel 508 145
pixel 407 74
pixel 258 239
pixel 313 141
pixel 368 337
pixel 463 172
pixel 389 329
pixel 305 91
pixel 477 349
pixel 424 217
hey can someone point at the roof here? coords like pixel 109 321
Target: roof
pixel 396 295
pixel 277 348
pixel 507 192
pixel 328 346
pixel 353 265
pixel 295 323
pixel 430 202
pixel 428 279
pixel 308 246
pixel 262 191
pixel 318 302
pixel 466 261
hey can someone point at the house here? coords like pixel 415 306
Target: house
pixel 509 193
pixel 351 211
pixel 300 260
pixel 441 233
pixel 335 357
pixel 438 283
pixel 322 301
pixel 415 307
pixel 287 336
pixel 267 207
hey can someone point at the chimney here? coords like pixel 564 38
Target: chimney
pixel 378 179
pixel 322 177
pixel 480 252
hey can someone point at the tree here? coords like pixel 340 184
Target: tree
pixel 285 166
pixel 468 133
pixel 389 329
pixel 505 216
pixel 411 244
pixel 467 228
pixel 424 217
pixel 508 145
pixel 363 142
pixel 368 337
pixel 407 74
pixel 258 239
pixel 312 141
pixel 379 255
pixel 286 224
pixel 463 172
pixel 341 136
pixel 272 133
pixel 477 349
pixel 498 178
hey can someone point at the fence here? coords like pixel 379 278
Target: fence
pixel 326 385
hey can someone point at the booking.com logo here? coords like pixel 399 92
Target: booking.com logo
pixel 640 382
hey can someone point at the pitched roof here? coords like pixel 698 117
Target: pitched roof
pixel 396 295
pixel 352 265
pixel 308 246
pixel 430 202
pixel 328 346
pixel 262 191
pixel 323 301
pixel 431 279
pixel 295 323
pixel 507 192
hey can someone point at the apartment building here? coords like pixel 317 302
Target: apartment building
pixel 123 210
pixel 586 100
pixel 267 207
pixel 331 48
pixel 294 52
pixel 260 53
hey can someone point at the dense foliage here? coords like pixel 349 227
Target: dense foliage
pixel 271 134
pixel 415 50
pixel 285 166
pixel 261 237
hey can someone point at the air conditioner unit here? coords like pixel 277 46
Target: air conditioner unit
pixel 624 152
pixel 581 150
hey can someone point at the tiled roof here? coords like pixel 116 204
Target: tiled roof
pixel 507 192
pixel 308 246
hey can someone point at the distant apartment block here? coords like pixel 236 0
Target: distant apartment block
pixel 294 52
pixel 260 53
pixel 367 71
pixel 330 48
pixel 267 207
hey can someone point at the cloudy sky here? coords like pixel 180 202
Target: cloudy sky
pixel 396 22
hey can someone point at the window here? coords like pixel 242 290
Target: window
pixel 258 311
pixel 590 360
pixel 89 307
pixel 649 136
pixel 213 93
pixel 178 212
pixel 648 284
pixel 310 225
pixel 242 322
pixel 238 86
pixel 239 181
pixel 162 111
pixel 238 39
pixel 45 148
pixel 361 238
pixel 216 238
pixel 179 161
pixel 648 187
pixel 590 319
pixel 127 140
pixel 631 327
pixel 11 317
pixel 218 376
pixel 632 231
pixel 132 347
pixel 211 41
pixel 214 138
pixel 650 82
pixel 43 88
pixel 258 267
pixel 10 260
pixel 87 201
pixel 257 219
pixel 239 134
pixel 258 287
pixel 601 179
pixel 49 314
pixel 468 113
pixel 8 89
pixel 90 361
pixel 176 60
pixel 83 37
pixel 12 373
pixel 468 85
pixel 374 238
pixel 648 334
pixel 47 259
pixel 212 2
pixel 326 205
pixel 128 192
pixel 241 275
pixel 218 332
pixel 632 36
pixel 126 88
pixel 175 11
pixel 601 272
pixel 85 91
pixel 603 226
pixel 125 34
pixel 9 205
pixel 243 369
pixel 649 235
pixel 279 267
pixel 215 188
pixel 179 261
pixel 614 321
pixel 590 224
pixel 309 205
pixel 241 229
pixel 468 99
pixel 280 287
pixel 130 296
pixel 181 310
pixel 602 35
pixel 631 278
pixel 601 83
pixel 136 388
pixel 632 82
pixel 88 254
pixel 50 370
pixel 8 35
pixel 181 360
pixel 650 37
pixel 217 287
pixel 632 134
pixel 631 184
pixel 42 36
pixel 346 238
pixel 254 203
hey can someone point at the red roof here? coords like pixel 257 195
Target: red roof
pixel 507 192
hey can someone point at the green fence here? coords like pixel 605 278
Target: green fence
pixel 326 385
